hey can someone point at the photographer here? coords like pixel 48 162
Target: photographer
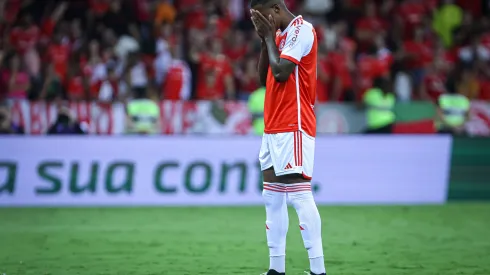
pixel 7 127
pixel 65 124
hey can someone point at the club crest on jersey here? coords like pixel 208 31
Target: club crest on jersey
pixel 282 44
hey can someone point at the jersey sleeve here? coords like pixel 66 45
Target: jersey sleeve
pixel 299 43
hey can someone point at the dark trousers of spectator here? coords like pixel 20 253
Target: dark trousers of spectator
pixel 388 129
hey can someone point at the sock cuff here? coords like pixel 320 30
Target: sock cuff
pixel 287 184
pixel 288 188
pixel 315 252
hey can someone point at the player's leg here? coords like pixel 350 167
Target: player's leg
pixel 277 220
pixel 297 180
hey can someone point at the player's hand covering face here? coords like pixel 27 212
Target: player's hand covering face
pixel 264 27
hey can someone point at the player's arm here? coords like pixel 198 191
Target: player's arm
pixel 263 64
pixel 298 44
pixel 281 68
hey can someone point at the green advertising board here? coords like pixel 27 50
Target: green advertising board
pixel 470 169
pixel 413 111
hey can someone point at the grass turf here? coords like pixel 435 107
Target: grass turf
pixel 432 240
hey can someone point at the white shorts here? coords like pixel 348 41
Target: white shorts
pixel 288 153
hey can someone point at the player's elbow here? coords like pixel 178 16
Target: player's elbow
pixel 281 77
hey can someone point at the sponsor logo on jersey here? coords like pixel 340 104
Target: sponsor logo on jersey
pixel 295 39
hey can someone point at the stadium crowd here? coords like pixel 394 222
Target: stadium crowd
pixel 107 50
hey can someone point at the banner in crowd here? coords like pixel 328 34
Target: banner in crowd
pixel 203 117
pixel 227 117
pixel 167 171
pixel 338 118
pixel 479 124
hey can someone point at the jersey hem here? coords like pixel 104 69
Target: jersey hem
pixel 263 169
pixel 297 170
pixel 279 131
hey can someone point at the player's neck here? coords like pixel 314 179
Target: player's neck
pixel 288 17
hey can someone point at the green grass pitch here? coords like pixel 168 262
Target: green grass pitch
pixel 419 240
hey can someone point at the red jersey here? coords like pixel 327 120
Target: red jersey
pixel 289 106
pixel 370 67
pixel 412 14
pixel 373 24
pixel 322 85
pixel 340 69
pixel 75 88
pixel 24 39
pixel 177 84
pixel 435 85
pixel 421 54
pixel 59 55
pixel 220 67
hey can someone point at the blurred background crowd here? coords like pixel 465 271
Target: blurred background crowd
pixel 116 50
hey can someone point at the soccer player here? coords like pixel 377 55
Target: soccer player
pixel 288 68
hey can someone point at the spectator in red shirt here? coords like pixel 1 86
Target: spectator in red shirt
pixel 58 54
pixel 237 47
pixel 48 25
pixel 368 26
pixel 99 7
pixel 342 66
pixel 434 81
pixel 15 79
pixel 194 13
pixel 214 69
pixel 370 67
pixel 385 56
pixel 248 79
pixel 418 56
pixel 324 76
pixel 410 14
pixel 177 83
pixel 217 27
pixel 75 83
pixel 24 39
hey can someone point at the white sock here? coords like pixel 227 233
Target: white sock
pixel 278 263
pixel 310 223
pixel 277 222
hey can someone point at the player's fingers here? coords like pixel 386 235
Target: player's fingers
pixel 255 25
pixel 254 21
pixel 261 17
pixel 271 20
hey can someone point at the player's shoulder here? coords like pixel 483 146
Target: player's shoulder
pixel 301 27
